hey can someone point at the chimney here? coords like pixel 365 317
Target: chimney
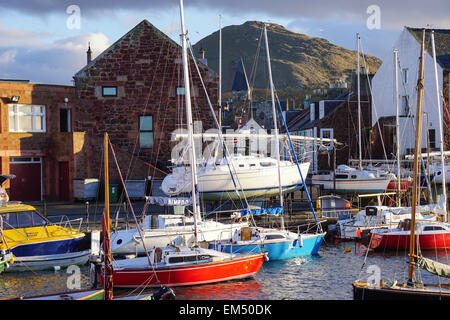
pixel 202 57
pixel 89 54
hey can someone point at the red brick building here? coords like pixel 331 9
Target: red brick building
pixel 134 91
pixel 36 140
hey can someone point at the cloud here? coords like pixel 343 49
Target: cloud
pixel 54 62
pixel 394 14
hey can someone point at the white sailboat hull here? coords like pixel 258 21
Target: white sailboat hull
pixel 251 180
pixel 352 180
pixel 130 242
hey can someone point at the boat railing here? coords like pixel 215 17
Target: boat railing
pixel 66 223
pixel 337 213
pixel 310 227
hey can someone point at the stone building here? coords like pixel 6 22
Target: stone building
pixel 134 90
pixel 37 142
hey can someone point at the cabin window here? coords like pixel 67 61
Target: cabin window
pixel 26 118
pixel 432 228
pixel 181 259
pixel 25 219
pixel 109 91
pixel 9 220
pixel 38 220
pixel 354 176
pixel 252 165
pixel 266 164
pixel 341 176
pixel 273 237
pixel 146 132
pixel 241 166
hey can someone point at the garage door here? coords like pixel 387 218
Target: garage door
pixel 27 184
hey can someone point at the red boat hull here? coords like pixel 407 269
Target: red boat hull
pixel 404 185
pixel 233 269
pixel 401 241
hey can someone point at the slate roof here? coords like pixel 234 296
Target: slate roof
pixel 442 44
pixel 240 82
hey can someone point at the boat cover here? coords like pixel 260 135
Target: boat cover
pixel 256 212
pixel 437 268
pixel 169 201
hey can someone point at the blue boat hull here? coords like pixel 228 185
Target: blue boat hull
pixel 47 247
pixel 277 250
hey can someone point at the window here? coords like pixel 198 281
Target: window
pixel 405 75
pixel 405 105
pixel 146 131
pixel 26 118
pixel 180 91
pixel 109 91
pixel 432 138
pixel 326 133
pixel 64 119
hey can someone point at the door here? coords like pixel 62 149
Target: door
pixel 63 173
pixel 26 186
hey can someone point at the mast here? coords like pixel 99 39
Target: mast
pixel 219 102
pixel 275 126
pixel 397 125
pixel 187 98
pixel 416 160
pixel 108 283
pixel 358 70
pixel 441 132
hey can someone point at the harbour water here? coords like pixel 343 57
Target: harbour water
pixel 326 276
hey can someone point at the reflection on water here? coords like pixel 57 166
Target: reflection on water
pixel 326 276
pixel 29 283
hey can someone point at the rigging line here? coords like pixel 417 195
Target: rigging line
pixel 133 154
pixel 162 130
pixel 226 154
pixel 138 227
pixel 366 67
pixel 296 161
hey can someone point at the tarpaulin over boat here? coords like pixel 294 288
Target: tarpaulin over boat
pixel 256 212
pixel 169 201
pixel 437 268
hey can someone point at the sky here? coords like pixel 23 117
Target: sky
pixel 45 41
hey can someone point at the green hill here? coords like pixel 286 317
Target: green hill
pixel 298 61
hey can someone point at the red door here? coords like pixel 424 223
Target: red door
pixel 26 186
pixel 64 192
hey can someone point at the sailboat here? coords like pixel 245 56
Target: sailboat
pixel 412 289
pixel 181 265
pixel 278 243
pixel 254 175
pixel 345 179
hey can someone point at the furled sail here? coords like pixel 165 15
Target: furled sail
pixel 434 267
pixel 169 201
